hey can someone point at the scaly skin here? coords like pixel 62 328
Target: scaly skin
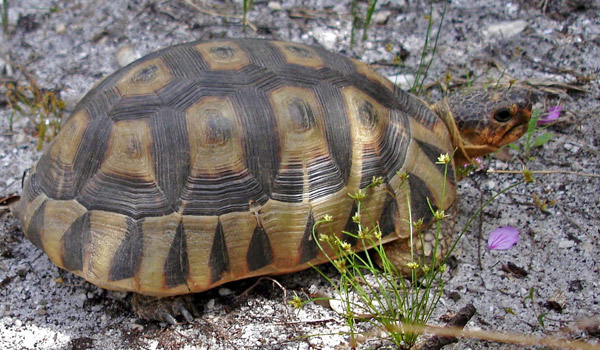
pixel 482 122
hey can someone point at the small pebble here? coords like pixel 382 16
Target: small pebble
pixel 571 148
pixel 137 327
pixel 126 55
pixel 505 29
pixel 210 304
pixel 565 243
pixel 61 28
pixel 18 323
pixel 274 5
pixel 381 17
pixel 224 291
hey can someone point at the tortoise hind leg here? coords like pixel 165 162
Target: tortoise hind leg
pixel 164 309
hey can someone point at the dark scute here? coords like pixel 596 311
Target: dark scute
pixel 219 259
pixel 367 115
pixel 418 199
pixel 220 194
pixel 74 243
pixel 302 115
pixel 299 51
pixel 176 265
pixel 223 52
pixel 298 75
pixel 170 149
pixel 259 251
pixel 324 178
pixel 91 151
pixel 145 75
pixel 388 155
pixel 351 227
pixel 308 247
pixel 337 127
pixel 288 185
pixel 135 198
pixel 135 107
pixel 126 262
pixel 262 150
pixel 388 215
pixel 371 166
pixel 185 62
pixel 31 188
pixel 394 145
pixel 36 225
pixel 433 154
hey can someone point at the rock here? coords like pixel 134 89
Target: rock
pixel 274 5
pixel 565 243
pixel 126 55
pixel 381 17
pixel 505 29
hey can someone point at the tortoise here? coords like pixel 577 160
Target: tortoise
pixel 210 161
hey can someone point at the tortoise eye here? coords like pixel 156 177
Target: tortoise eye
pixel 503 115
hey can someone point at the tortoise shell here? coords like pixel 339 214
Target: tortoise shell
pixel 208 162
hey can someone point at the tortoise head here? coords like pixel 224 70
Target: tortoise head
pixel 482 122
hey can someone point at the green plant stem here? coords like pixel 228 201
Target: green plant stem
pixel 4 16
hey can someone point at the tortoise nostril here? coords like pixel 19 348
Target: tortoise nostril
pixel 503 115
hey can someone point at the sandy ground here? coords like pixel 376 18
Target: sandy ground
pixel 69 45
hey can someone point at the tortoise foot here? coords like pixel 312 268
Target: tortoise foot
pixel 164 309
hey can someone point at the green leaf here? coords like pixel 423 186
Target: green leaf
pixel 540 319
pixel 532 122
pixel 542 139
pixel 514 146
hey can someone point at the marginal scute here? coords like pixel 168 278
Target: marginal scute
pixel 176 266
pixel 207 253
pixel 34 220
pixel 58 218
pixel 160 234
pixel 223 55
pixel 259 251
pixel 219 257
pixel 113 258
pixel 145 78
pixel 308 246
pixel 29 213
pixel 238 229
pixel 75 242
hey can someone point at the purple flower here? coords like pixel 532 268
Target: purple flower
pixel 503 238
pixel 553 114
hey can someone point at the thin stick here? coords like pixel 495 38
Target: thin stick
pixel 509 338
pixel 492 171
